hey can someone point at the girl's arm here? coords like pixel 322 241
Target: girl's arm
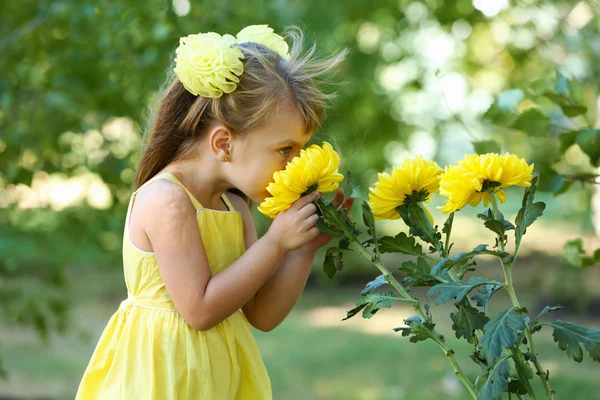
pixel 169 221
pixel 276 298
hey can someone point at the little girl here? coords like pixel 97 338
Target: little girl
pixel 236 110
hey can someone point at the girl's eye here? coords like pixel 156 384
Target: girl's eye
pixel 285 151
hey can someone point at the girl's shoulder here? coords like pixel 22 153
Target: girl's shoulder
pixel 161 196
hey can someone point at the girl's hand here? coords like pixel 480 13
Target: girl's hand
pixel 323 238
pixel 295 227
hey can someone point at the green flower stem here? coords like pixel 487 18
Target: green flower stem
pixel 507 269
pixel 447 241
pixel 417 306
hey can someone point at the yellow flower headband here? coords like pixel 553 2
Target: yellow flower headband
pixel 208 64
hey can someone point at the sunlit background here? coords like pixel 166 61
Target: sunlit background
pixel 427 77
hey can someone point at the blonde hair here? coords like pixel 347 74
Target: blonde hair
pixel 183 119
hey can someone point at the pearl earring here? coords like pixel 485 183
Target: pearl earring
pixel 226 159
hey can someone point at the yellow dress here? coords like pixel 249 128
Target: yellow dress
pixel 148 351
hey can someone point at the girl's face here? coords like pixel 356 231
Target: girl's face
pixel 257 155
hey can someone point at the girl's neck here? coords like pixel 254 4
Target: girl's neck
pixel 201 179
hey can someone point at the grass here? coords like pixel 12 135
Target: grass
pixel 312 354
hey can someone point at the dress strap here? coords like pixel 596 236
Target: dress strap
pixel 170 177
pixel 226 200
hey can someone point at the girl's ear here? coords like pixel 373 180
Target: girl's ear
pixel 220 140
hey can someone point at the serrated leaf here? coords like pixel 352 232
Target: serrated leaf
pixel 333 261
pixel 416 218
pixel 401 243
pixel 457 289
pixel 448 224
pixel 467 320
pixel 546 309
pixel 574 254
pixel 367 212
pixel 369 220
pixel 523 373
pixel 569 336
pixel 417 330
pixel 529 211
pixel 498 226
pixel 486 146
pixel 505 330
pixel 589 142
pixel 373 302
pixel 323 227
pixel 374 284
pixel 356 192
pixel 419 273
pixel 497 382
pixel 336 219
pixel 533 122
pixel 461 258
pixel 484 296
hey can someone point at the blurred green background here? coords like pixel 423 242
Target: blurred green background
pixel 422 77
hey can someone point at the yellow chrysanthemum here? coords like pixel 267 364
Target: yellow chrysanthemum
pixel 413 182
pixel 264 35
pixel 316 168
pixel 476 176
pixel 208 64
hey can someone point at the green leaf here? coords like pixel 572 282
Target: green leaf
pixel 529 211
pixel 356 192
pixel 416 218
pixel 419 273
pixel 467 320
pixel 505 330
pixel 372 302
pixel 561 85
pixel 462 258
pixel 523 373
pixel 457 289
pixel 367 213
pixel 401 243
pixel 546 309
pixel 549 180
pixel 567 139
pixel 420 331
pixel 566 94
pixel 499 226
pixel 568 106
pixel 374 284
pixel 533 122
pixel 497 382
pixel 569 336
pixel 334 258
pixel 447 230
pixel 566 185
pixel 499 116
pixel 484 296
pixel 589 142
pixel 486 146
pixel 336 219
pixel 323 227
pixel 574 254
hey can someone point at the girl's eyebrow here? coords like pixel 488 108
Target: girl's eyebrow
pixel 289 142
